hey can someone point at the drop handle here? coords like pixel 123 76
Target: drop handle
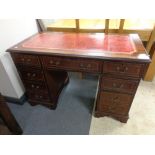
pixel 32 86
pixel 126 68
pixel 116 99
pixel 85 66
pixel 33 74
pixel 122 69
pixel 28 74
pixel 89 66
pixel 28 60
pixel 57 63
pixel 40 97
pixel 54 63
pixel 117 85
pixel 51 62
pixel 81 65
pixel 118 68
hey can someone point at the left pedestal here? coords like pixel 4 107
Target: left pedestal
pixel 42 86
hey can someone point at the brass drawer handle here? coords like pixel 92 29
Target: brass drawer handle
pixel 89 66
pixel 51 61
pixel 118 85
pixel 126 68
pixel 123 69
pixel 81 65
pixel 118 68
pixel 116 100
pixel 33 74
pixel 33 86
pixel 85 66
pixel 57 63
pixel 54 63
pixel 28 74
pixel 114 85
pixel 23 59
pixel 40 97
pixel 28 60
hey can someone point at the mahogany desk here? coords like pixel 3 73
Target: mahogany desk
pixel 120 61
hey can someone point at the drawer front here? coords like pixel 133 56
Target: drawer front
pixel 121 85
pixel 26 59
pixel 30 74
pixel 85 65
pixel 114 103
pixel 130 69
pixel 35 86
pixel 39 96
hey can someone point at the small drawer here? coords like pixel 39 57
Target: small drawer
pixel 74 64
pixel 121 85
pixel 114 103
pixel 89 66
pixel 123 68
pixel 30 74
pixel 39 96
pixel 26 59
pixel 35 86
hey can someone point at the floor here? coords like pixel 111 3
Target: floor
pixel 73 115
pixel 142 116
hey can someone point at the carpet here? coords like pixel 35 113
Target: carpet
pixel 72 116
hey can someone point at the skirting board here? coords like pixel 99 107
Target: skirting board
pixel 19 101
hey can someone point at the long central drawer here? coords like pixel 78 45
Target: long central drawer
pixel 75 64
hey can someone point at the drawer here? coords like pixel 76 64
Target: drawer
pixel 114 103
pixel 121 85
pixel 75 64
pixel 31 74
pixel 122 68
pixel 35 86
pixel 38 96
pixel 26 59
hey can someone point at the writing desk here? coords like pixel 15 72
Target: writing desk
pixel 120 61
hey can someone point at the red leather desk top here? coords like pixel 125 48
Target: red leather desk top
pixel 81 41
pixel 89 45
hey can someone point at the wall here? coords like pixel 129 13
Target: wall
pixel 12 32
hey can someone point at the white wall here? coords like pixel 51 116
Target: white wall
pixel 12 32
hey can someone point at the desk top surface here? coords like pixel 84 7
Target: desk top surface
pixel 97 45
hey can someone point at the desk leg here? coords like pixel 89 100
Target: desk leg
pixel 122 119
pixel 8 118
